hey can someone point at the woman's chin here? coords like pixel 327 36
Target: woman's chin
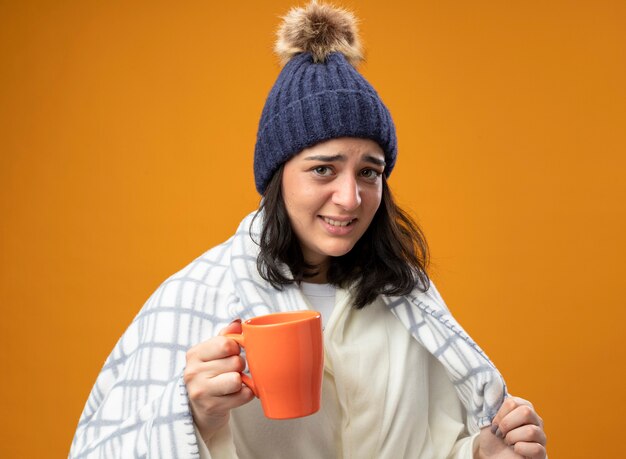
pixel 320 254
pixel 339 251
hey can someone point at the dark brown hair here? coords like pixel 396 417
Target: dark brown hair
pixel 390 258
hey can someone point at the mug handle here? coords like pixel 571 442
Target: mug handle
pixel 247 380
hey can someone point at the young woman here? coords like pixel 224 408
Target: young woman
pixel 402 378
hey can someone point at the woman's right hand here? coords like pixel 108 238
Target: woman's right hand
pixel 213 379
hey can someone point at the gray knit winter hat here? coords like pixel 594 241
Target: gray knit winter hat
pixel 319 94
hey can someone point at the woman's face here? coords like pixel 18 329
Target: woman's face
pixel 331 192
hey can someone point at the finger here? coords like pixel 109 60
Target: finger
pixel 221 394
pixel 226 403
pixel 530 450
pixel 233 327
pixel 521 401
pixel 237 399
pixel 520 416
pixel 509 404
pixel 213 368
pixel 218 347
pixel 225 384
pixel 219 386
pixel 526 433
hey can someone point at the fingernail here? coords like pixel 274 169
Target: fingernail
pixel 499 433
pixel 494 427
pixel 236 321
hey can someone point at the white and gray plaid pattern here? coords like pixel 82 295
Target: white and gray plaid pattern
pixel 138 406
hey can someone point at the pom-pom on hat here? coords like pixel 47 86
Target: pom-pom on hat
pixel 319 94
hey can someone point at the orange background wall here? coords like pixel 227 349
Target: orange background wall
pixel 126 139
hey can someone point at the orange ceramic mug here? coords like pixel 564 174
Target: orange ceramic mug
pixel 286 359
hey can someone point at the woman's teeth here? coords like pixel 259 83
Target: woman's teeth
pixel 337 223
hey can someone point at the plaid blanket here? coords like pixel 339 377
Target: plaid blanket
pixel 138 406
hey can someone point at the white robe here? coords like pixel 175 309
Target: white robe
pixel 384 397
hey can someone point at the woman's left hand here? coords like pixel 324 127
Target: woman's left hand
pixel 516 432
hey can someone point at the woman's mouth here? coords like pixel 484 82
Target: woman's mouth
pixel 339 226
pixel 339 223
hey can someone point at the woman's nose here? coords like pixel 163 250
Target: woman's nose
pixel 347 194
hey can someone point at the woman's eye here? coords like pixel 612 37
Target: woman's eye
pixel 370 174
pixel 322 170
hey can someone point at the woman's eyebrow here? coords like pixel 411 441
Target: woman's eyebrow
pixel 330 159
pixel 375 160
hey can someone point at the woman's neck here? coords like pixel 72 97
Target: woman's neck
pixel 320 276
